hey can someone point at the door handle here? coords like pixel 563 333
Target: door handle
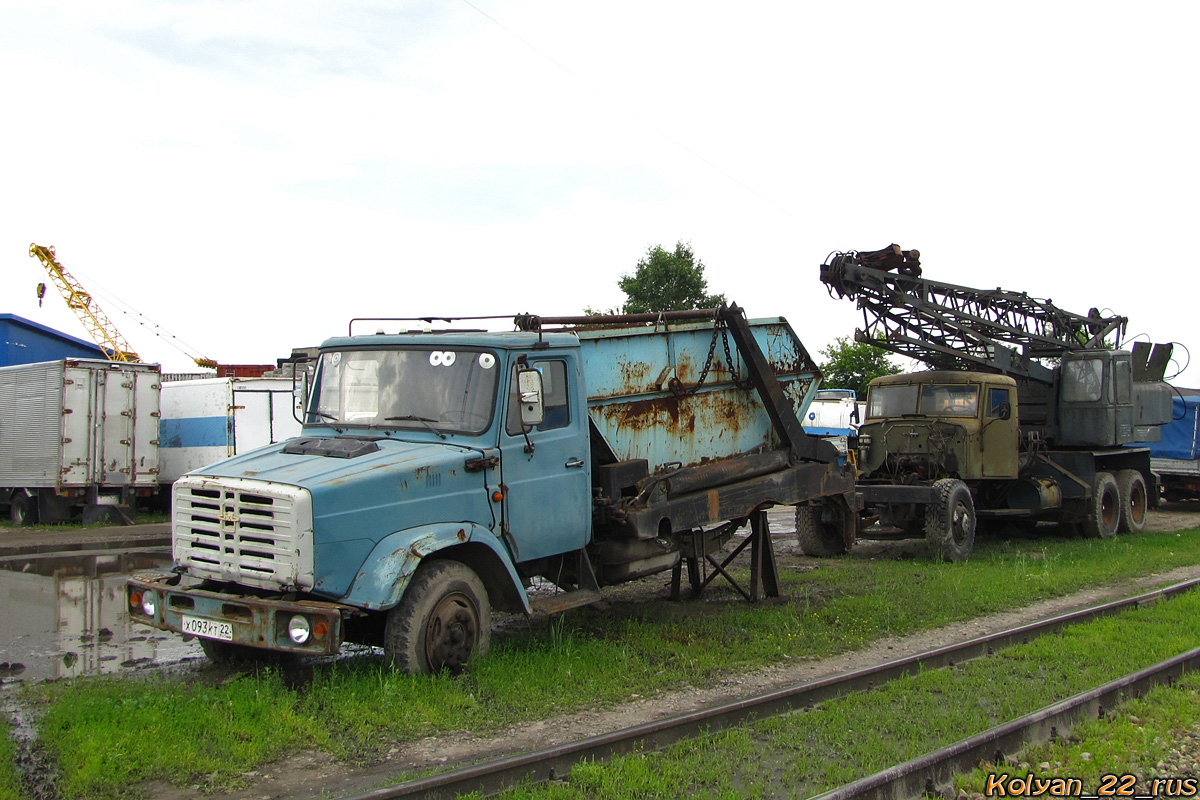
pixel 574 463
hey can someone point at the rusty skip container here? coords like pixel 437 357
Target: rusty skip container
pixel 695 421
pixel 672 397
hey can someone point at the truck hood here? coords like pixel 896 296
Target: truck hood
pixel 364 490
pixel 312 469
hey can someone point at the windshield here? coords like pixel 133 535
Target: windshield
pixel 892 401
pixel 440 390
pixel 950 401
pixel 936 400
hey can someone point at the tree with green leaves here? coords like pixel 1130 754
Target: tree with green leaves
pixel 853 365
pixel 667 281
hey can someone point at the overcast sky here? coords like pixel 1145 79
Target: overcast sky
pixel 251 175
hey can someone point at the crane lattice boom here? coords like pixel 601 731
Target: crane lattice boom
pixel 79 300
pixel 956 327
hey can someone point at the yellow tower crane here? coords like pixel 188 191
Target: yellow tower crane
pixel 79 300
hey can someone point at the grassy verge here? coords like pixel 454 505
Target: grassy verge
pixel 1134 739
pixel 99 728
pixel 10 786
pixel 142 518
pixel 817 750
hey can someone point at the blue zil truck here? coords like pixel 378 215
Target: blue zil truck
pixel 442 474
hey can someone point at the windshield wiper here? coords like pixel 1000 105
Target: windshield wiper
pixel 415 418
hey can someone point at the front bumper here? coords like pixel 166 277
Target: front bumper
pixel 255 621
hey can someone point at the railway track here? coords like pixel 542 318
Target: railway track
pixel 906 780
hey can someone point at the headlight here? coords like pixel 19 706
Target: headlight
pixel 864 440
pixel 149 603
pixel 299 629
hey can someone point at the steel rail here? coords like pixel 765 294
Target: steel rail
pixel 925 774
pixel 556 762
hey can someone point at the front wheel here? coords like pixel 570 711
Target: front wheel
pixel 220 652
pixel 950 521
pixel 824 529
pixel 1135 500
pixel 442 622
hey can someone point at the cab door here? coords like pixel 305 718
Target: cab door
pixel 546 469
pixel 999 432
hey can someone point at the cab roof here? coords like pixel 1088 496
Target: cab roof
pixel 944 376
pixel 499 340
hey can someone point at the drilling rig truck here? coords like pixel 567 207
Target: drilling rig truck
pixel 1026 414
pixel 441 474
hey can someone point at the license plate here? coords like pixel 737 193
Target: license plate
pixel 208 628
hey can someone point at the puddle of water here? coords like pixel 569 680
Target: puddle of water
pixel 64 616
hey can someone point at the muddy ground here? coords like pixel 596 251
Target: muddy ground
pixel 313 775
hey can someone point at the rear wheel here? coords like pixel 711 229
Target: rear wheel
pixel 823 529
pixel 950 521
pixel 1104 508
pixel 1135 500
pixel 442 622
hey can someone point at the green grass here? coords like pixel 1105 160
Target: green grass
pixel 816 750
pixel 356 709
pixel 1132 739
pixel 142 518
pixel 125 732
pixel 10 785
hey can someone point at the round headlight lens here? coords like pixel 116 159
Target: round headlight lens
pixel 149 603
pixel 299 629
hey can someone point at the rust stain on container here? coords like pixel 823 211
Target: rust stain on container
pixel 635 375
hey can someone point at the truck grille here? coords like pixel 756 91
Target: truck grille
pixel 250 532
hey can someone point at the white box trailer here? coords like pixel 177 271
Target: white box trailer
pixel 211 419
pixel 77 436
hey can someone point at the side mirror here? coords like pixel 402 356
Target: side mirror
pixel 301 372
pixel 1004 411
pixel 529 393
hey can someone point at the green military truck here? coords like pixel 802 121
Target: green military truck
pixel 1027 414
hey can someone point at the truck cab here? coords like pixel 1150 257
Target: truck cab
pixel 940 424
pixel 415 447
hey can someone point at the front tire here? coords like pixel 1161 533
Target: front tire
pixel 1104 508
pixel 823 529
pixel 220 652
pixel 1135 500
pixel 950 521
pixel 442 622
